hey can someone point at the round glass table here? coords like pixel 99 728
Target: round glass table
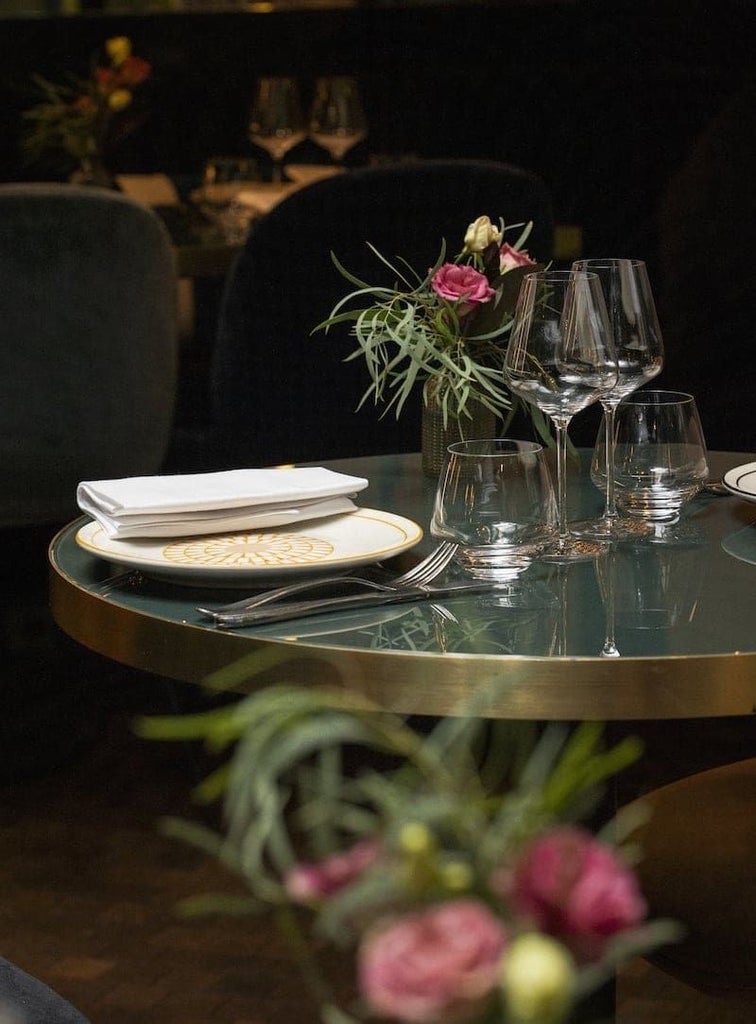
pixel 679 604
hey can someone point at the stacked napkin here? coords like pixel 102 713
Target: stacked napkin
pixel 238 499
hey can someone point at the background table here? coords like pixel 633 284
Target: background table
pixel 684 611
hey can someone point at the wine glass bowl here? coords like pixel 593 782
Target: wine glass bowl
pixel 640 356
pixel 561 359
pixel 337 116
pixel 276 121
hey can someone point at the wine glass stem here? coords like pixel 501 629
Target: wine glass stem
pixel 561 441
pixel 276 175
pixel 610 410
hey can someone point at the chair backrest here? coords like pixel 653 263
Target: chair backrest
pixel 88 360
pixel 280 393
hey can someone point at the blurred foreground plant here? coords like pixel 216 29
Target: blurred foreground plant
pixel 451 867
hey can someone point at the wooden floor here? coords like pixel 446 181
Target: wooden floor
pixel 89 888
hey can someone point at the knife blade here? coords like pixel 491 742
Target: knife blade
pixel 285 610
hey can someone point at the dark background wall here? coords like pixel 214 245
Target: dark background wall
pixel 609 100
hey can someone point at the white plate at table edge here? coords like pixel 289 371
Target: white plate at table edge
pixel 732 479
pixel 346 541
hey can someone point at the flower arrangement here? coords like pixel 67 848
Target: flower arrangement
pixel 443 328
pixel 454 875
pixel 82 119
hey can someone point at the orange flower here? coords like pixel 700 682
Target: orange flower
pixel 134 71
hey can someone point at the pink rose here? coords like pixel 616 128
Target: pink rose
pixel 454 281
pixel 437 964
pixel 308 882
pixel 575 887
pixel 510 258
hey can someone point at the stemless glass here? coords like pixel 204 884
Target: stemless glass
pixel 561 359
pixel 640 356
pixel 277 122
pixel 337 117
pixel 495 500
pixel 224 177
pixel 659 453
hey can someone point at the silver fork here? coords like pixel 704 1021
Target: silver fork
pixel 424 572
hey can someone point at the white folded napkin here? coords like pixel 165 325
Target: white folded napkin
pixel 239 499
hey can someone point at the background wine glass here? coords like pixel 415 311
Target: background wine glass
pixel 277 122
pixel 561 359
pixel 640 357
pixel 337 117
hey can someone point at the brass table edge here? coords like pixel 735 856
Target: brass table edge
pixel 671 686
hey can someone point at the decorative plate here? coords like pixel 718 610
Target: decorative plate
pixel 315 546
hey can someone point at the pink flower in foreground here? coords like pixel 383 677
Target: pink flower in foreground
pixel 308 882
pixel 510 258
pixel 577 888
pixel 437 964
pixel 455 281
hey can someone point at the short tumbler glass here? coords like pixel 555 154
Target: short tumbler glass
pixel 496 501
pixel 660 454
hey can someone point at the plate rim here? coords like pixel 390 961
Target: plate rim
pixel 167 570
pixel 747 468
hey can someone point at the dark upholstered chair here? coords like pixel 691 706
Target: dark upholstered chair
pixel 699 854
pixel 27 1000
pixel 707 235
pixel 88 381
pixel 87 345
pixel 282 395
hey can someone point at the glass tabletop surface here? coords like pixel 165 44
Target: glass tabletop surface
pixel 685 589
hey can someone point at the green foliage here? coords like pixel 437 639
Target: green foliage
pixel 491 784
pixel 449 805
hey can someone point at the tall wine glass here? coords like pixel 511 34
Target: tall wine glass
pixel 276 122
pixel 561 359
pixel 640 357
pixel 337 118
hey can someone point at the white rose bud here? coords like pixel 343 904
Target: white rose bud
pixel 480 234
pixel 538 980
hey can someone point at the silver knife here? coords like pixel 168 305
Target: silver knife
pixel 284 610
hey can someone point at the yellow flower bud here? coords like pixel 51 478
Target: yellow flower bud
pixel 416 840
pixel 457 876
pixel 480 234
pixel 538 980
pixel 118 48
pixel 119 99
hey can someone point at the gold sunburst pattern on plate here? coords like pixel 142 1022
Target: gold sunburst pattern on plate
pixel 250 549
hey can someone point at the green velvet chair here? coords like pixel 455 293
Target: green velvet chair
pixel 88 369
pixel 87 345
pixel 282 394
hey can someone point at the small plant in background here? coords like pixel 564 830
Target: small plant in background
pixel 83 120
pixel 452 871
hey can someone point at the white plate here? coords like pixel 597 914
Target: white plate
pixel 742 481
pixel 318 545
